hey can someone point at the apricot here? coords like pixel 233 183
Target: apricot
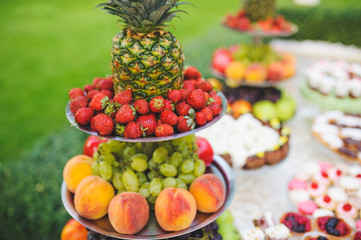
pixel 240 107
pixel 235 70
pixel 92 197
pixel 255 73
pixel 75 170
pixel 128 212
pixel 209 193
pixel 276 71
pixel 73 231
pixel 175 209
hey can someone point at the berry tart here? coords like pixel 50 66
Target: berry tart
pixel 334 227
pixel 356 236
pixel 339 132
pixel 334 85
pixel 296 223
pixel 250 142
pixel 315 236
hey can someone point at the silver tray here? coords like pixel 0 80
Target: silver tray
pixel 88 130
pixel 261 33
pixel 152 230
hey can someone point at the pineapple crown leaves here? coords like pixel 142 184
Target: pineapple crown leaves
pixel 143 16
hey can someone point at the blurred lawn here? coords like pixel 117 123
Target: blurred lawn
pixel 48 47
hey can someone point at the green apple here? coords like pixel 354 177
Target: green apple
pixel 286 107
pixel 265 110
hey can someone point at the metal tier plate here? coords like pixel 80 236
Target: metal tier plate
pixel 152 230
pixel 88 130
pixel 261 33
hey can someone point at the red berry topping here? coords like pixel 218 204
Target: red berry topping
pixel 103 124
pixel 196 99
pixel 347 207
pixel 174 95
pixel 133 130
pixel 338 172
pixel 324 174
pixel 141 106
pixel 164 130
pixel 169 117
pixel 125 114
pixel 358 175
pixel 314 185
pixel 327 199
pixel 156 105
pixel 75 92
pixel 84 115
pixel 124 97
pixel 77 103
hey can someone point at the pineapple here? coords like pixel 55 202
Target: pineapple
pixel 146 58
pixel 259 9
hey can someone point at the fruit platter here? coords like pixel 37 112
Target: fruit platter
pixel 325 189
pixel 251 65
pixel 340 134
pixel 270 27
pixel 334 85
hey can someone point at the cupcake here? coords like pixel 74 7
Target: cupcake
pixel 296 223
pixel 335 228
pixel 325 202
pixel 315 189
pixel 346 210
pixel 322 178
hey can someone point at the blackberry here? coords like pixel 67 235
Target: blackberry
pixel 321 238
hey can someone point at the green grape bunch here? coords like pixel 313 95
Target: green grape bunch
pixel 148 168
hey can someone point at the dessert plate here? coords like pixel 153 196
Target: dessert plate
pixel 88 130
pixel 261 33
pixel 152 230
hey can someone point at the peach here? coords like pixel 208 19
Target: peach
pixel 276 71
pixel 75 170
pixel 128 212
pixel 209 193
pixel 73 231
pixel 175 209
pixel 240 107
pixel 255 73
pixel 290 69
pixel 92 197
pixel 235 70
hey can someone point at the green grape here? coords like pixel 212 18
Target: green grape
pixel 116 164
pixel 118 181
pixel 128 152
pixel 225 218
pixel 167 145
pixel 160 154
pixel 140 155
pixel 168 170
pixel 152 165
pixel 169 182
pixel 199 168
pixel 116 146
pixel 139 164
pixel 109 158
pixel 141 177
pixel 153 174
pixel 178 141
pixel 187 166
pixel 149 148
pixel 138 146
pixel 96 155
pixel 145 185
pixel 181 184
pixel 144 192
pixel 151 199
pixel 95 168
pixel 155 186
pixel 176 159
pixel 104 148
pixel 188 178
pixel 105 170
pixel 130 181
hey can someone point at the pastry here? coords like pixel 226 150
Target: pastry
pixel 346 210
pixel 356 236
pixel 296 223
pixel 278 232
pixel 315 189
pixel 265 221
pixel 315 236
pixel 297 184
pixel 307 207
pixel 322 178
pixel 321 212
pixel 325 202
pixel 299 195
pixel 350 184
pixel 252 234
pixel 334 227
pixel 337 194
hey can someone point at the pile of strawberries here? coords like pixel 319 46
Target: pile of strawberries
pixel 272 25
pixel 181 111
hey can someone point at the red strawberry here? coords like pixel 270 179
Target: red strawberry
pixel 92 123
pixel 98 101
pixel 174 95
pixel 156 105
pixel 201 118
pixel 141 106
pixel 108 93
pixel 205 86
pixel 125 114
pixel 164 130
pixel 168 105
pixel 92 93
pixel 77 103
pixel 75 92
pixel 124 97
pixel 109 78
pixel 196 99
pixel 184 93
pixel 96 82
pixel 133 130
pixel 88 88
pixel 215 108
pixel 169 117
pixel 192 73
pixel 189 84
pixel 106 84
pixel 159 122
pixel 217 99
pixel 182 108
pixel 84 115
pixel 103 124
pixel 185 124
pixel 206 95
pixel 208 112
pixel 148 122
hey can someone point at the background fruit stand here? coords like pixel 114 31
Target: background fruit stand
pixel 46 149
